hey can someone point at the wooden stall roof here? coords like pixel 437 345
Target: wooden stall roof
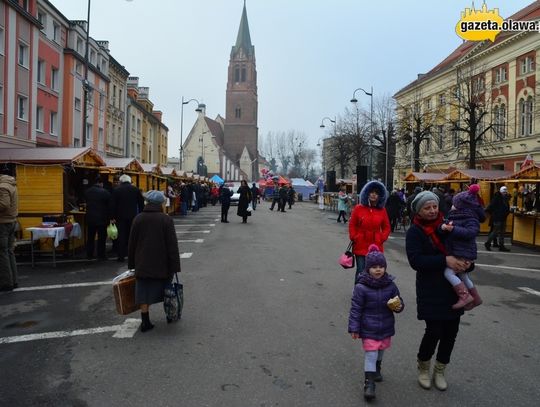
pixel 52 155
pixel 483 175
pixel 129 164
pixel 168 171
pixel 152 168
pixel 529 174
pixel 425 177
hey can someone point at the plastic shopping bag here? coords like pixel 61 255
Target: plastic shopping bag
pixel 112 231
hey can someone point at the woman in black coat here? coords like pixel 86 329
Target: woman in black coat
pixel 434 295
pixel 243 201
pixel 153 253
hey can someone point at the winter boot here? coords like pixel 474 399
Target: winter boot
pixel 378 375
pixel 439 380
pixel 369 386
pixel 464 297
pixel 146 325
pixel 424 380
pixel 476 298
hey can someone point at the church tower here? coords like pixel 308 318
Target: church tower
pixel 241 131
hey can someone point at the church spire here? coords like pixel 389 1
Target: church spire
pixel 243 40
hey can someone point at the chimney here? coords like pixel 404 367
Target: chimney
pixel 158 114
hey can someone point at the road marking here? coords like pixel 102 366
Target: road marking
pixel 530 290
pixel 511 253
pixel 126 330
pixel 193 224
pixel 50 287
pixel 507 267
pixel 191 241
pixel 186 255
pixel 192 231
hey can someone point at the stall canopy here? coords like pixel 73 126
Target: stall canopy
pixel 52 155
pixel 480 175
pixel 121 164
pixel 217 179
pixel 168 171
pixel 303 187
pixel 528 174
pixel 428 177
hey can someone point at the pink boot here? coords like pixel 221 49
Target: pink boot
pixel 476 299
pixel 464 297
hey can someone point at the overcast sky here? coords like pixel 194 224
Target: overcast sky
pixel 311 54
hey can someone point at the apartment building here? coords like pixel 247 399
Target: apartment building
pixel 116 110
pixel 500 81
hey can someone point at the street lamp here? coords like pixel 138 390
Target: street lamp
pixel 86 85
pixel 354 100
pixel 199 109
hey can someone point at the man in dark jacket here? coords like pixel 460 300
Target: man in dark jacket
pixel 97 217
pixel 126 203
pixel 225 198
pixel 275 196
pixel 498 208
pixel 283 196
pixel 254 196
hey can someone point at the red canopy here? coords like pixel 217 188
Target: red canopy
pixel 270 182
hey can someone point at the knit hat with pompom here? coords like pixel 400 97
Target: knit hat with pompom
pixel 374 257
pixel 467 199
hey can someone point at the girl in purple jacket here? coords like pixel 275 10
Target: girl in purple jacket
pixel 375 299
pixel 462 226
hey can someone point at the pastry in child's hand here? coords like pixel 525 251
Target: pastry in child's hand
pixel 394 303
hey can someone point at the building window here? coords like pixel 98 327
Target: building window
pixel 1 99
pixel 442 99
pixel 79 48
pixel 25 5
pixel 114 96
pixel 238 112
pixel 243 79
pixel 440 136
pixel 501 75
pixel 89 129
pixel 56 32
pixel 120 105
pixel 39 118
pixel 237 73
pixel 41 72
pixel 92 57
pixel 455 138
pixel 2 40
pixel 526 65
pixel 76 142
pixel 499 122
pixel 428 143
pixel 42 18
pixel 428 104
pixel 23 55
pixel 22 106
pixel 526 116
pixel 54 79
pixel 100 135
pixel 138 130
pixel 78 104
pixel 53 124
pixel 478 85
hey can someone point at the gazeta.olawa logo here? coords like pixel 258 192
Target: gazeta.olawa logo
pixel 480 25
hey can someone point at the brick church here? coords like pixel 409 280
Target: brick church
pixel 228 146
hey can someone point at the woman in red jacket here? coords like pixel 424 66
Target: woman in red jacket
pixel 369 223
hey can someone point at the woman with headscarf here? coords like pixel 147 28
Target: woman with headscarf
pixel 369 222
pixel 434 296
pixel 153 253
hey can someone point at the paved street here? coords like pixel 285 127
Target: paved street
pixel 264 324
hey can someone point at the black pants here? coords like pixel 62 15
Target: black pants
pixel 224 212
pixel 442 333
pixel 274 200
pixel 341 214
pixel 124 229
pixel 91 230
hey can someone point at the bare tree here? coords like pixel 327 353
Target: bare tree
pixel 297 145
pixel 473 103
pixel 307 162
pixel 415 123
pixel 384 137
pixel 355 127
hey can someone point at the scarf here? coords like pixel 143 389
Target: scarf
pixel 429 227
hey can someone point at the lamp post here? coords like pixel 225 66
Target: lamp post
pixel 354 100
pixel 86 85
pixel 181 151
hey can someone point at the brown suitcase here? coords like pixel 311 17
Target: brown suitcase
pixel 124 295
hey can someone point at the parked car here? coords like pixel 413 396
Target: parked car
pixel 233 186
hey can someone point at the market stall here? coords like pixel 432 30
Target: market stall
pixel 114 167
pixel 152 178
pixel 423 179
pixel 51 183
pixel 526 225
